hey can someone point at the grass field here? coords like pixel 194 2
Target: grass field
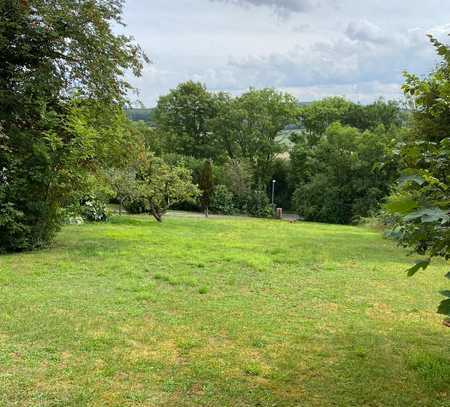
pixel 220 312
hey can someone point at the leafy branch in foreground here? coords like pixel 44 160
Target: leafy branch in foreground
pixel 421 203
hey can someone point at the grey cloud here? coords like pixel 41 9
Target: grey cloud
pixel 343 47
pixel 342 61
pixel 281 7
pixel 364 30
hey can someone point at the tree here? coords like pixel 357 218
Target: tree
pixel 343 178
pixel 61 92
pixel 123 183
pixel 369 117
pixel 238 178
pixel 263 114
pixel 162 186
pixel 222 201
pixel 206 186
pixel 183 116
pixel 316 117
pixel 421 203
pixel 225 126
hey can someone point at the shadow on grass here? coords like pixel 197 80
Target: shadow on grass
pixel 410 368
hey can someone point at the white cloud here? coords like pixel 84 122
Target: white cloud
pixel 366 31
pixel 357 49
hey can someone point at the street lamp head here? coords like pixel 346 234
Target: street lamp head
pixel 274 181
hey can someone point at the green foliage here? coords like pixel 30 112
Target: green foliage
pixel 94 210
pixel 257 204
pixel 222 201
pixel 284 189
pixel 238 178
pixel 123 183
pixel 225 125
pixel 206 185
pixel 140 114
pixel 421 202
pixel 420 264
pixel 316 117
pixel 264 113
pixel 135 205
pixel 14 236
pixel 161 186
pixel 196 123
pixel 182 116
pixel 61 85
pixel 344 175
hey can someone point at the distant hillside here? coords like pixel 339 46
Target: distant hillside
pixel 144 114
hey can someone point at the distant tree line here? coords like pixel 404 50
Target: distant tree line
pixel 331 159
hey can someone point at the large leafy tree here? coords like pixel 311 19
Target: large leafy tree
pixel 183 118
pixel 263 114
pixel 225 125
pixel 61 92
pixel 340 177
pixel 421 204
pixel 316 117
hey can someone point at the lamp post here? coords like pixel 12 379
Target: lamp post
pixel 273 195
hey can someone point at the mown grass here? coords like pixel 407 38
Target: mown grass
pixel 220 312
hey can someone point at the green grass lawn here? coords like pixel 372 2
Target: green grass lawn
pixel 220 312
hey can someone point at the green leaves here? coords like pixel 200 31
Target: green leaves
pixel 400 204
pixel 444 307
pixel 162 185
pixel 411 178
pixel 428 215
pixel 62 87
pixel 338 181
pixel 421 204
pixel 420 264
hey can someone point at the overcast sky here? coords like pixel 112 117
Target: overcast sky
pixel 310 48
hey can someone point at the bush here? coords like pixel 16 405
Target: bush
pixel 13 232
pixel 94 210
pixel 222 201
pixel 135 206
pixel 344 176
pixel 257 204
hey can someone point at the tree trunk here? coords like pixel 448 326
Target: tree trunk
pixel 157 216
pixel 120 206
pixel 206 212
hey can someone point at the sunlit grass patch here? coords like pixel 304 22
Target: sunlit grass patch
pixel 220 312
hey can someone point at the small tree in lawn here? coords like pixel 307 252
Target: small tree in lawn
pixel 122 182
pixel 162 185
pixel 206 184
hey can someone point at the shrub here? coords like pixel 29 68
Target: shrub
pixel 345 175
pixel 257 204
pixel 222 201
pixel 135 206
pixel 94 210
pixel 13 232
